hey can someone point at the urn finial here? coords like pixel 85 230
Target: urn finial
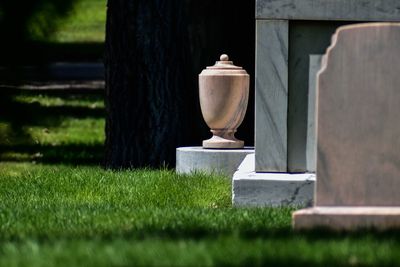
pixel 224 57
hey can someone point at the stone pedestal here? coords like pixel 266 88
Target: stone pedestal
pixel 270 189
pixel 348 218
pixel 224 161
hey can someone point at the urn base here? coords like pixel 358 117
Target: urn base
pixel 220 142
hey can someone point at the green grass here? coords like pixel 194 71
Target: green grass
pixel 61 209
pixel 71 100
pixel 61 215
pixel 84 23
pixel 53 31
pixel 54 126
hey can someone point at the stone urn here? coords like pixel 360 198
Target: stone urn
pixel 224 93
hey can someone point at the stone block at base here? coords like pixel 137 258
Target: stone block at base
pixel 225 161
pixel 270 189
pixel 347 218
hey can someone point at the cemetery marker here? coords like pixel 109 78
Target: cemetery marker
pixel 358 131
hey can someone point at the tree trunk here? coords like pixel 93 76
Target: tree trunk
pixel 145 82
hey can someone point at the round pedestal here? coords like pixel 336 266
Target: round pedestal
pixel 224 161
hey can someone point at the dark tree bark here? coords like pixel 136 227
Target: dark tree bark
pixel 144 61
pixel 154 51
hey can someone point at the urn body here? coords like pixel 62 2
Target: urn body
pixel 224 92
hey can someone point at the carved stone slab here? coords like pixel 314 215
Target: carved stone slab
pixel 354 10
pixel 271 96
pixel 358 126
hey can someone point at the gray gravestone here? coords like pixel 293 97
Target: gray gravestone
pixel 306 38
pixel 355 10
pixel 315 65
pixel 358 160
pixel 288 32
pixel 271 104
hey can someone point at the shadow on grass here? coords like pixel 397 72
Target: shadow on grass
pixel 261 247
pixel 18 115
pixel 36 114
pixel 185 223
pixel 242 231
pixel 81 154
pixel 43 53
pixel 67 93
pixel 70 52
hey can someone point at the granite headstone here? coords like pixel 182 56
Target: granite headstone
pixel 358 131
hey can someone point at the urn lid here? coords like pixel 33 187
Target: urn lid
pixel 224 67
pixel 224 63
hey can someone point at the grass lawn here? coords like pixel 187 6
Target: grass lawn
pixel 57 31
pixel 58 207
pixel 84 22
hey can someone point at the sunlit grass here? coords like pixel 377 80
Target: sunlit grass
pixel 59 207
pixel 85 22
pixel 70 131
pixel 56 101
pixel 56 128
pixel 89 216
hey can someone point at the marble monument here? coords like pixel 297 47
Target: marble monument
pixel 358 131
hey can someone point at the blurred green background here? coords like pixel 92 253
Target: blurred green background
pixel 40 31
